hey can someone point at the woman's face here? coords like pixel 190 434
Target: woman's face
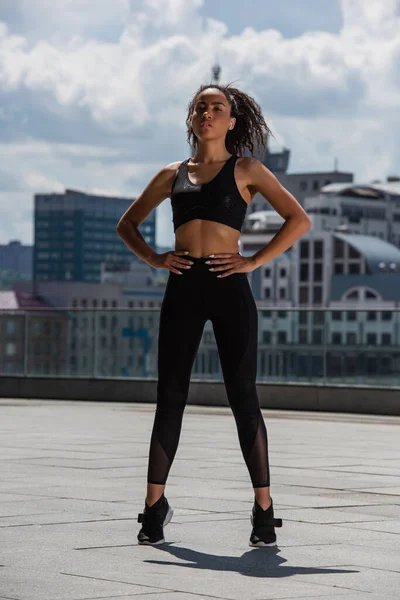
pixel 211 107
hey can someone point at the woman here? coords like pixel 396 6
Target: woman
pixel 209 196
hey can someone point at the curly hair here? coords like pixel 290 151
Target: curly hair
pixel 250 129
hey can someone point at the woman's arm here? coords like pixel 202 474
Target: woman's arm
pixel 157 190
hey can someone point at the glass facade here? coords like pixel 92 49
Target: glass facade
pixel 76 232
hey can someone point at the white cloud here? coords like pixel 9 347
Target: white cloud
pixel 97 114
pixel 42 184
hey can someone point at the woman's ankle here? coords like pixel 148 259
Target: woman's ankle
pixel 263 497
pixel 153 501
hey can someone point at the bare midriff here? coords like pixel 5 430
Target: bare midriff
pixel 201 237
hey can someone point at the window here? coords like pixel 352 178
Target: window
pixel 338 269
pixel 353 253
pixel 354 268
pixel 303 271
pixel 266 337
pixel 317 294
pixel 303 336
pixel 318 317
pixel 304 249
pixel 281 337
pixel 353 295
pixel 317 336
pixel 369 294
pixel 338 248
pixel 317 272
pixel 10 327
pixel 318 249
pixel 303 294
pixel 10 349
pixel 303 317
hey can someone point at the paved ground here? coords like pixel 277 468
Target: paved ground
pixel 73 478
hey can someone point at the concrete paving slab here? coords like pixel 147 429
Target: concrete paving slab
pixel 74 479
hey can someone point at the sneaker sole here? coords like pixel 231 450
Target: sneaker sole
pixel 261 544
pixel 167 519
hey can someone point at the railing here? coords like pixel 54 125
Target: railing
pixel 310 345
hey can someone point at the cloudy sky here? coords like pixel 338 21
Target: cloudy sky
pixel 93 94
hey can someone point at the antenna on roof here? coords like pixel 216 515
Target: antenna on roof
pixel 216 71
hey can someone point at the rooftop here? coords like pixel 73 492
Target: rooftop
pixel 362 189
pixel 74 480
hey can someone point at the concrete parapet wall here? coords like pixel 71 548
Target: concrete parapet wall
pixel 307 397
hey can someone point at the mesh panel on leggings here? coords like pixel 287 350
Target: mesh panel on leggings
pixel 163 444
pixel 257 460
pixel 254 444
pixel 159 463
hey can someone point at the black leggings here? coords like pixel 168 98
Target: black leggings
pixel 189 301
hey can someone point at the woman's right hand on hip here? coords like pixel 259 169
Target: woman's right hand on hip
pixel 171 259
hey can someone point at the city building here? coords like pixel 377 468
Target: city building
pixel 75 232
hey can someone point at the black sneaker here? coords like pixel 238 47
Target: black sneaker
pixel 263 521
pixel 154 518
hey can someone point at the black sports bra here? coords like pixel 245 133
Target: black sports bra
pixel 217 200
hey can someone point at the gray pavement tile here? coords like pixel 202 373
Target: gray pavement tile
pixel 389 526
pixel 362 468
pixel 393 491
pixel 351 596
pixel 311 515
pixel 156 596
pixel 30 584
pixel 311 496
pixel 74 479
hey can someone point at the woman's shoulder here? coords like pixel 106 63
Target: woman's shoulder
pixel 171 169
pixel 170 172
pixel 175 165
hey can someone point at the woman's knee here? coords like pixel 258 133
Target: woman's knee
pixel 171 401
